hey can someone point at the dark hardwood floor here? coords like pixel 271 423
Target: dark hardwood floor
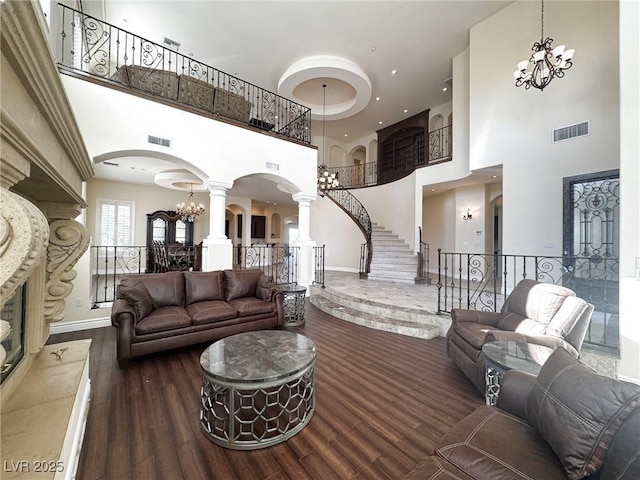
pixel 382 401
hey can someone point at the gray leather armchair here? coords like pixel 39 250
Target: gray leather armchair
pixel 539 313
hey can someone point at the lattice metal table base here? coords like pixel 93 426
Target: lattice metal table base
pixel 294 296
pixel 251 416
pixel 493 377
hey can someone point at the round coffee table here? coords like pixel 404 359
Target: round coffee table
pixel 257 388
pixel 507 355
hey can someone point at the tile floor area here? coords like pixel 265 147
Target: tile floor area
pixel 419 297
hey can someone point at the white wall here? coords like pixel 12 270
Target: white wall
pixel 512 126
pixel 438 227
pixel 630 173
pixel 330 226
pixel 115 121
pixel 393 207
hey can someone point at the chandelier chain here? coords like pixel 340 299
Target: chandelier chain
pixel 541 21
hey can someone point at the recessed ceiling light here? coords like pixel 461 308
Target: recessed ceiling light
pixel 377 99
pixel 394 72
pixel 444 89
pixel 380 122
pixel 405 110
pixel 495 176
pixel 346 135
pixel 373 49
pixel 433 189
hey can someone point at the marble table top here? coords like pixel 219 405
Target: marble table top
pixel 260 356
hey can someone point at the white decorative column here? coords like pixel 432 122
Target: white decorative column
pixel 306 264
pixel 219 249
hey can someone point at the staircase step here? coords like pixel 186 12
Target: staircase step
pixel 402 327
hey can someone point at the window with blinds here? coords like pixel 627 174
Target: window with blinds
pixel 115 223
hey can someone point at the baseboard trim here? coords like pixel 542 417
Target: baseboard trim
pixel 78 325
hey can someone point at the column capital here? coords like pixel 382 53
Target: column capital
pixel 218 186
pixel 303 197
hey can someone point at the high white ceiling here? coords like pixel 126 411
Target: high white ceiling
pixel 258 41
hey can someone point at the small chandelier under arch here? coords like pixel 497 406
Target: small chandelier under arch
pixel 189 211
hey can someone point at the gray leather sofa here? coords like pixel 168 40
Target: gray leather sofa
pixel 535 312
pixel 566 423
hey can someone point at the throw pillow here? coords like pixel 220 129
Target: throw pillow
pixel 139 298
pixel 578 412
pixel 263 291
pixel 242 283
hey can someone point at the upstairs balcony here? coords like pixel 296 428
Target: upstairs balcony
pixel 98 51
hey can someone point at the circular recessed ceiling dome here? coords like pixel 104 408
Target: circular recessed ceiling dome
pixel 179 180
pixel 348 87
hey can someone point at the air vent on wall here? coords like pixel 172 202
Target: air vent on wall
pixel 171 43
pixel 163 142
pixel 571 131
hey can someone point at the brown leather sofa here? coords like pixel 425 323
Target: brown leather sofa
pixel 535 312
pixel 566 423
pixel 154 312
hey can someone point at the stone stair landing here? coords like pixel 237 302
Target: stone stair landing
pixel 406 310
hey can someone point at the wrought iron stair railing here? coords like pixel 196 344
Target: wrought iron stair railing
pixel 354 208
pixel 91 48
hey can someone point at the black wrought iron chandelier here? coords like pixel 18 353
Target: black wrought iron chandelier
pixel 189 211
pixel 545 63
pixel 326 179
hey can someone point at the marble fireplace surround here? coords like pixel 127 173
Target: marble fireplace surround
pixel 44 399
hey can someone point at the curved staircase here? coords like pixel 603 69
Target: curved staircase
pixel 393 260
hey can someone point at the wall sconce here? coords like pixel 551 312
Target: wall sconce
pixel 468 215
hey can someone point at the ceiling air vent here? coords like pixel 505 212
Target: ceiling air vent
pixel 111 164
pixel 163 142
pixel 571 131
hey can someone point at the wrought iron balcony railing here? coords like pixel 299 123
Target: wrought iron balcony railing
pixel 278 261
pixel 89 46
pixel 483 281
pixel 378 173
pixel 110 264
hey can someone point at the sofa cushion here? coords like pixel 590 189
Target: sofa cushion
pixel 147 79
pixel 623 459
pixel 473 333
pixel 139 298
pixel 436 468
pixel 241 283
pixel 231 105
pixel 490 443
pixel 166 289
pixel 252 306
pixel 195 92
pixel 203 286
pixel 211 311
pixel 578 412
pixel 162 319
pixel 263 291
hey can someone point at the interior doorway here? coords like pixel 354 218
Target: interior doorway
pixel 591 238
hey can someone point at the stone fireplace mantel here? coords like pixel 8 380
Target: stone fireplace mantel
pixel 45 396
